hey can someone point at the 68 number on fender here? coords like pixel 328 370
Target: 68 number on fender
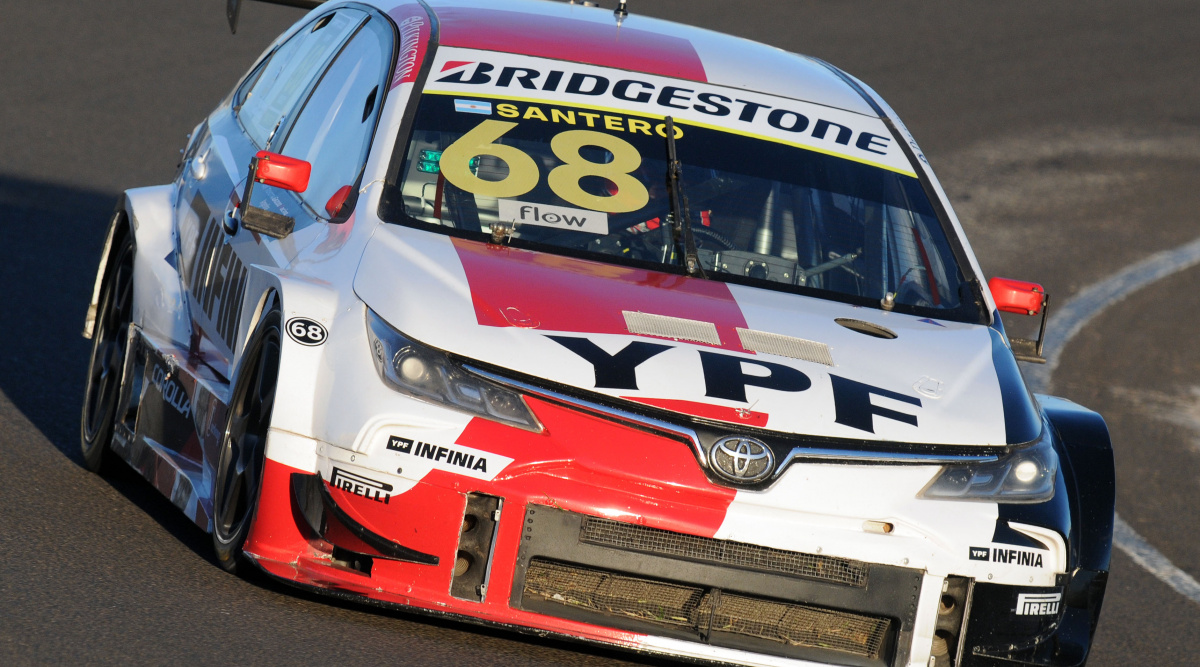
pixel 305 331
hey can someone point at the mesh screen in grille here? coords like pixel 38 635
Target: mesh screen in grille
pixel 796 625
pixel 642 599
pixel 611 533
pixel 695 608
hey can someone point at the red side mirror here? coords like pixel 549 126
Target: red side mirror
pixel 282 171
pixel 1017 296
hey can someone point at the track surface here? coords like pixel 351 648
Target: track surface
pixel 1067 134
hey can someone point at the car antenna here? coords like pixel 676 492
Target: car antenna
pixel 620 12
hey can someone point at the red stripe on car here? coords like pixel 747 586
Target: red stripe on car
pixel 741 416
pixel 534 290
pixel 595 43
pixel 413 23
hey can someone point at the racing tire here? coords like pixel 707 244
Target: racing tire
pixel 106 365
pixel 239 471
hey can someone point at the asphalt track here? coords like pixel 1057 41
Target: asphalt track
pixel 1067 135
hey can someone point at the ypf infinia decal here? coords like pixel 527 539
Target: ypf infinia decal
pixel 477 74
pixel 726 377
pixel 1007 556
pixel 421 457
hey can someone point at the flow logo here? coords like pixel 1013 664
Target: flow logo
pixel 560 217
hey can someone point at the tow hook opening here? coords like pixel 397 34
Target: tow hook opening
pixel 950 620
pixel 473 561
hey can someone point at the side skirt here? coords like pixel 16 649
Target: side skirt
pixel 169 421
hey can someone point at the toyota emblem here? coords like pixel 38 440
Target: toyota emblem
pixel 742 459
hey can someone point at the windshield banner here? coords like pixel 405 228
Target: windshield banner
pixel 481 76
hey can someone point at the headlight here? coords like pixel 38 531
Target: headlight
pixel 1025 476
pixel 414 369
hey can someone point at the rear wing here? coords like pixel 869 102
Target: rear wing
pixel 234 7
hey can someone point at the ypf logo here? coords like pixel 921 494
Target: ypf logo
pixel 742 459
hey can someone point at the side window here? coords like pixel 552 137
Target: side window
pixel 333 131
pixel 275 88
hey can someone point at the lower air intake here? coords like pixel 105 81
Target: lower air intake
pixel 704 611
pixel 796 625
pixel 643 599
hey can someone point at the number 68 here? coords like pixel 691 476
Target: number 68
pixel 563 180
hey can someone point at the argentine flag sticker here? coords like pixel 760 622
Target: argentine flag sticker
pixel 473 106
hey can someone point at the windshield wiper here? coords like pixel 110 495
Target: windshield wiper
pixel 681 231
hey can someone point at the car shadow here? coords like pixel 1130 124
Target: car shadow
pixel 53 238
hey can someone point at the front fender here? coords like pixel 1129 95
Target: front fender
pixel 158 306
pixel 1089 462
pixel 118 224
pixel 292 439
pixel 1091 472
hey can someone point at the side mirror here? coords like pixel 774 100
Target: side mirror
pixel 277 171
pixel 281 171
pixel 1022 298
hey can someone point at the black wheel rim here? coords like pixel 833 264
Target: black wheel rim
pixel 239 468
pixel 108 350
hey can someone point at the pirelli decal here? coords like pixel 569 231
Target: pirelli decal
pixel 217 277
pixel 361 485
pixel 1038 604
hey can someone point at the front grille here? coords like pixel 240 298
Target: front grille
pixel 631 537
pixel 704 611
pixel 643 599
pixel 797 625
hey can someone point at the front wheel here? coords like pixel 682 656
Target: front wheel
pixel 114 314
pixel 243 447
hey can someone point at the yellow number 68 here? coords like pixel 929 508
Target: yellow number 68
pixel 563 180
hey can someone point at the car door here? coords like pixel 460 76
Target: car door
pixel 215 254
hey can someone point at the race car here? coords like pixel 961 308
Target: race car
pixel 585 324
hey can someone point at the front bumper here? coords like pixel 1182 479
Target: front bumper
pixel 786 576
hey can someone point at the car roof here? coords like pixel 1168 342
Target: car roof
pixel 563 31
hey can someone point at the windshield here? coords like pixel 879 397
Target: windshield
pixel 561 175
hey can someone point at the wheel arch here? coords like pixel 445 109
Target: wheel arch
pixel 295 399
pixel 1085 441
pixel 145 215
pixel 119 226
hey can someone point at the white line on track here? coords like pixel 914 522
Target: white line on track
pixel 1070 320
pixel 1137 548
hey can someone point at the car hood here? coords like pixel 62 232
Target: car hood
pixel 746 356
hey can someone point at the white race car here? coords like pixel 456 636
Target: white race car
pixel 583 323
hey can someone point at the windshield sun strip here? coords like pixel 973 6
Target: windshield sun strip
pixel 690 123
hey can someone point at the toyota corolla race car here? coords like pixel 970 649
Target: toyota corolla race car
pixel 596 326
